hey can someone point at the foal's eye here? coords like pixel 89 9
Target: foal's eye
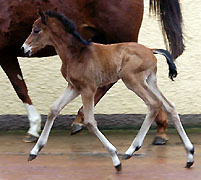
pixel 37 30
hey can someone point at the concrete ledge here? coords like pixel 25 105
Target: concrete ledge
pixel 112 121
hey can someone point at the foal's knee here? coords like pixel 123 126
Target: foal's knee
pixel 53 113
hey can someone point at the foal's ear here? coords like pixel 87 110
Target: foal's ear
pixel 42 15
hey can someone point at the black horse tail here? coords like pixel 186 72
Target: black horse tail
pixel 170 62
pixel 170 16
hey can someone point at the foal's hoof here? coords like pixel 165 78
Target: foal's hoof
pixel 158 140
pixel 31 157
pixel 118 167
pixel 126 156
pixel 189 164
pixel 76 128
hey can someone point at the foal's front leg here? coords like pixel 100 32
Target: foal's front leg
pixel 69 94
pixel 77 124
pixel 91 124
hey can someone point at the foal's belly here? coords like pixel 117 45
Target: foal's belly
pixel 106 79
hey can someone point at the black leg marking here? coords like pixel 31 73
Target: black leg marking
pixel 126 156
pixel 189 164
pixel 32 157
pixel 192 151
pixel 118 167
pixel 137 148
pixel 40 147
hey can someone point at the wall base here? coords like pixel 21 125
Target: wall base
pixel 105 121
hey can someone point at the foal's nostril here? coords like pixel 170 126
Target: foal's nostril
pixel 23 53
pixel 22 50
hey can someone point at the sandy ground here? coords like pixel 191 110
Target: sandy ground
pixel 83 157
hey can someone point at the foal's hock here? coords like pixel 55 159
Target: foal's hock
pixel 87 66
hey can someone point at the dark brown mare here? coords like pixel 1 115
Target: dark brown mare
pixel 104 21
pixel 87 66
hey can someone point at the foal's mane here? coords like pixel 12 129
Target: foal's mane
pixel 68 24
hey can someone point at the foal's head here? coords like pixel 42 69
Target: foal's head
pixel 49 25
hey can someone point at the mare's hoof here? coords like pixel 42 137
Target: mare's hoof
pixel 126 156
pixel 30 139
pixel 76 128
pixel 189 164
pixel 158 140
pixel 118 167
pixel 31 157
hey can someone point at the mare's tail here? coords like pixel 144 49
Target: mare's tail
pixel 170 62
pixel 170 15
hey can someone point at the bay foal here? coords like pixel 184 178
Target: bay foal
pixel 87 66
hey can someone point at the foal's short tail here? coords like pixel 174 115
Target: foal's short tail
pixel 170 62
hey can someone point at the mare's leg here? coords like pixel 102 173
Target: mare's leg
pixel 137 84
pixel 91 124
pixel 69 94
pixel 11 67
pixel 172 114
pixel 162 124
pixel 77 125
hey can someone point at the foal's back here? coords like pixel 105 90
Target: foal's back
pixel 114 60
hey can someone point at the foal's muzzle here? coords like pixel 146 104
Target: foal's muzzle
pixel 26 50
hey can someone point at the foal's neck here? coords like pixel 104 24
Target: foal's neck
pixel 67 46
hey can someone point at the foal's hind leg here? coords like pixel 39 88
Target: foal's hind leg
pixel 140 87
pixel 91 124
pixel 161 119
pixel 58 105
pixel 172 114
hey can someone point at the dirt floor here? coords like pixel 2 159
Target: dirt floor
pixel 82 157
